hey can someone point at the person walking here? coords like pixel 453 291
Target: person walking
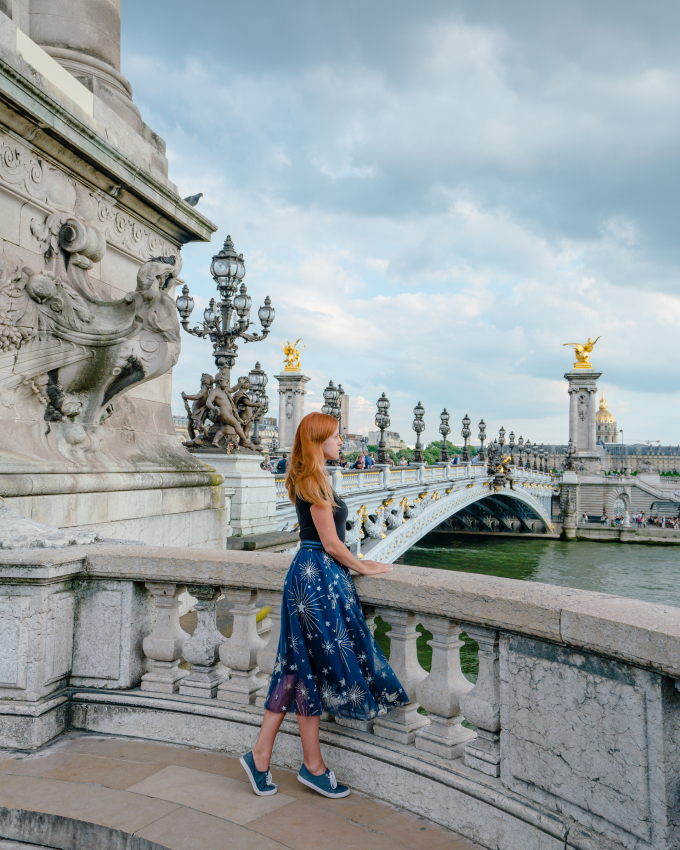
pixel 327 658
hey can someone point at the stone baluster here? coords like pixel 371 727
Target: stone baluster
pixel 481 705
pixel 164 645
pixel 266 657
pixel 361 725
pixel 202 648
pixel 440 693
pixel 239 652
pixel 402 723
pixel 360 479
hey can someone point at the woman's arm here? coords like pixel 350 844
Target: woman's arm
pixel 322 515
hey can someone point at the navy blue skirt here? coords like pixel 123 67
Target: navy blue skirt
pixel 327 658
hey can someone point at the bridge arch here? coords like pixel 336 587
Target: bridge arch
pixel 519 501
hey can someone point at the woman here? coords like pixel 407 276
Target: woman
pixel 327 659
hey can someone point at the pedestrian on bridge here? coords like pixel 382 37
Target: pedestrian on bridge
pixel 327 658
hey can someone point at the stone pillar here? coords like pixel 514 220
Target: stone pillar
pixel 482 705
pixel 582 416
pixel 291 406
pixel 86 42
pixel 253 489
pixel 164 645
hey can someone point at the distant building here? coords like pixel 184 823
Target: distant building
pixel 181 424
pixel 392 440
pixel 607 431
pixel 268 429
pixel 354 442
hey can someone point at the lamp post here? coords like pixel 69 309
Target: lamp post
pixel 569 465
pixel 482 437
pixel 257 394
pixel 527 449
pixel 520 446
pixel 444 430
pixel 227 320
pixel 382 421
pixel 418 427
pixel 501 439
pixel 542 464
pixel 273 445
pixel 511 446
pixel 331 396
pixel 534 452
pixel 465 434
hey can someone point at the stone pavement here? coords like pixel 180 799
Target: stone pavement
pixel 189 799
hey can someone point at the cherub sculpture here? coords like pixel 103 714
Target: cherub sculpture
pixel 224 414
pixel 292 355
pixel 198 412
pixel 582 350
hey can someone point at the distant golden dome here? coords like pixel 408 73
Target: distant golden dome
pixel 606 424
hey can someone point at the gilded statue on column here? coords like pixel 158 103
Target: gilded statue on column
pixel 292 355
pixel 582 350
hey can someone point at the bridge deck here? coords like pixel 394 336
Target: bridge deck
pixel 190 799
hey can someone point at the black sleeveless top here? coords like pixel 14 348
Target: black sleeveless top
pixel 308 529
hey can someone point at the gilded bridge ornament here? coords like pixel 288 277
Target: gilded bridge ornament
pixel 292 355
pixel 582 350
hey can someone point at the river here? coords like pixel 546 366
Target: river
pixel 644 572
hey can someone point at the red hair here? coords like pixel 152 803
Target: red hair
pixel 306 474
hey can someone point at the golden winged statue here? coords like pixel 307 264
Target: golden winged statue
pixel 292 355
pixel 582 350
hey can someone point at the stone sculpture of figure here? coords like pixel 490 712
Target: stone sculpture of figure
pixel 197 414
pixel 292 355
pixel 247 409
pixel 224 414
pixel 582 350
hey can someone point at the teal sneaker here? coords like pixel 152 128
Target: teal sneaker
pixel 326 784
pixel 261 780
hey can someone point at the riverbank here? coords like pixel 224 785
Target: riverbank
pixel 599 533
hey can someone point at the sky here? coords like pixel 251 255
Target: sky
pixel 436 196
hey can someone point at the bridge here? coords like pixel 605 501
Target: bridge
pixel 391 509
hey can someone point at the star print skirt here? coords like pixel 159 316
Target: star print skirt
pixel 327 658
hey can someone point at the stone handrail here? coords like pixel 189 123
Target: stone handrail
pixel 558 668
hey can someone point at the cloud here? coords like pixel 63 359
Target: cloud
pixel 436 199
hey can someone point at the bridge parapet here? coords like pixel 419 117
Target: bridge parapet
pixel 391 509
pixel 561 673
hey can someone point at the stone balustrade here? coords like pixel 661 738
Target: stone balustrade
pixel 576 704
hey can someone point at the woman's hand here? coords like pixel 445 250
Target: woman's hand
pixel 374 568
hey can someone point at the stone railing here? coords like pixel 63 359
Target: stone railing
pixel 355 480
pixel 576 706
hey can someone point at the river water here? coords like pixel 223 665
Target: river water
pixel 644 572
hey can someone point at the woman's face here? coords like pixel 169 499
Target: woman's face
pixel 331 448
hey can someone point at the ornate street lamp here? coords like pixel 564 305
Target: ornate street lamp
pixel 273 445
pixel 534 452
pixel 527 449
pixel 228 319
pixel 542 464
pixel 482 437
pixel 501 438
pixel 332 407
pixel 465 434
pixel 257 394
pixel 511 446
pixel 444 430
pixel 569 465
pixel 382 421
pixel 418 427
pixel 520 446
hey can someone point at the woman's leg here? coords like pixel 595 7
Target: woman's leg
pixel 262 751
pixel 311 751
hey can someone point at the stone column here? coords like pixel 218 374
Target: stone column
pixel 86 43
pixel 239 652
pixel 253 492
pixel 582 413
pixel 202 648
pixel 291 406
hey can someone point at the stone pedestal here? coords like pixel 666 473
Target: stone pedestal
pixel 253 504
pixel 582 416
pixel 291 406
